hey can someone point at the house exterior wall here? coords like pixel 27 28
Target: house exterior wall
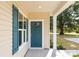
pixel 5 29
pixel 45 17
pixel 6 32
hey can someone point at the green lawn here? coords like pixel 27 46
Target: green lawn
pixel 64 44
pixel 71 35
pixel 76 55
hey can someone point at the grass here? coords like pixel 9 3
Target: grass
pixel 51 43
pixel 71 36
pixel 64 44
pixel 68 45
pixel 76 55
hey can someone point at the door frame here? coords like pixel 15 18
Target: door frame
pixel 31 20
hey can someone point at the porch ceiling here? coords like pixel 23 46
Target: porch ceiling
pixel 41 6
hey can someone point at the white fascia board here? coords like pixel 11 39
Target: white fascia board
pixel 64 7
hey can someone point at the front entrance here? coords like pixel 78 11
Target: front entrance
pixel 36 34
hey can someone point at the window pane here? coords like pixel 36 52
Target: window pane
pixel 27 30
pixel 20 24
pixel 24 36
pixel 20 38
pixel 24 25
pixel 20 18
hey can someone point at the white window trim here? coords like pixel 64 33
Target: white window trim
pixel 21 46
pixel 30 33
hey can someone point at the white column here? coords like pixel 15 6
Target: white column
pixel 54 33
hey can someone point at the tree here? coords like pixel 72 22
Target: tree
pixel 64 20
pixel 68 19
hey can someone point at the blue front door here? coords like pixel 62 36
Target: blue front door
pixel 36 34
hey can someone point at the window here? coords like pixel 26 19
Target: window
pixel 20 22
pixel 22 29
pixel 19 30
pixel 20 38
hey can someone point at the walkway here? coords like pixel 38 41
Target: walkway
pixel 67 53
pixel 76 40
pixel 62 53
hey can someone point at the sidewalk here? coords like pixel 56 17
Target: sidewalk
pixel 62 53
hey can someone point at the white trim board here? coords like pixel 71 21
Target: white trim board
pixel 30 32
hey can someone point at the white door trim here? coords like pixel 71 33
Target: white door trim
pixel 30 32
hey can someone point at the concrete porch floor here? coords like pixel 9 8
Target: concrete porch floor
pixel 37 53
pixel 41 53
pixel 50 53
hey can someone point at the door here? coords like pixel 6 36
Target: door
pixel 36 34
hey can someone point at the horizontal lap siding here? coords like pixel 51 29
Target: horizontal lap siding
pixel 5 29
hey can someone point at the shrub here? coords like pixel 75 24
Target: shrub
pixel 60 47
pixel 51 44
pixel 77 31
